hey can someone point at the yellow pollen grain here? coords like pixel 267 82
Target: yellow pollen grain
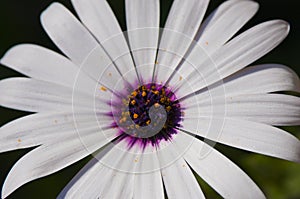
pixel 135 116
pixel 144 93
pixel 156 92
pixel 109 74
pixel 148 122
pixel 168 108
pixel 180 78
pixel 134 93
pixel 19 140
pixel 206 42
pixel 103 88
pixel 122 120
pixel 133 102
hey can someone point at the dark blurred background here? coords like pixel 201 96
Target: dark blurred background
pixel 19 23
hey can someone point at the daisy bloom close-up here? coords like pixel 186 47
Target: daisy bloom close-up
pixel 152 104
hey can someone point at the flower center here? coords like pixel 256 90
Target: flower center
pixel 150 114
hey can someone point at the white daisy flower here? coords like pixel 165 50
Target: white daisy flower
pixel 144 102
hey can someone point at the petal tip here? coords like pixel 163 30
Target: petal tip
pixel 254 4
pixel 284 25
pixel 5 191
pixel 52 7
pixel 11 56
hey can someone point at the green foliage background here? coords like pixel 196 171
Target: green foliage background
pixel 19 23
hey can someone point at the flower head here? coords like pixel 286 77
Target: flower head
pixel 144 102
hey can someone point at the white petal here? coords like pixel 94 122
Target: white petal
pixel 257 79
pixel 43 64
pixel 180 182
pixel 50 158
pixel 98 17
pixel 264 78
pixel 85 182
pixel 115 184
pixel 148 185
pixel 247 135
pixel 273 109
pixel 134 160
pixel 97 179
pixel 100 68
pixel 142 19
pixel 233 56
pixel 147 179
pixel 67 33
pixel 224 22
pixel 181 27
pixel 37 129
pixel 36 95
pixel 220 173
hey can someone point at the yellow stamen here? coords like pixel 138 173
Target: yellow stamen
pixel 133 102
pixel 134 93
pixel 135 116
pixel 156 92
pixel 168 108
pixel 156 105
pixel 144 93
